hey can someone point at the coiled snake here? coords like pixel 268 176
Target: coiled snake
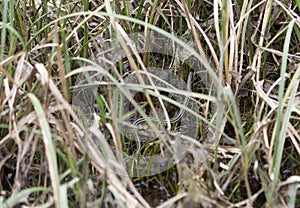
pixel 183 123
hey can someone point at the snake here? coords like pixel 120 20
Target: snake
pixel 139 163
pixel 176 118
pixel 145 134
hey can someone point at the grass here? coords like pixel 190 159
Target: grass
pixel 63 103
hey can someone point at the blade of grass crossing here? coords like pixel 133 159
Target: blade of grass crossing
pixel 85 32
pixel 11 35
pixel 292 195
pixel 50 151
pixel 282 122
pixel 3 31
pixel 297 2
pixel 153 9
pixel 66 61
pixel 21 196
pixel 224 32
pixel 239 128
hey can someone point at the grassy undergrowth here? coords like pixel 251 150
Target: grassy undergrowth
pixel 244 99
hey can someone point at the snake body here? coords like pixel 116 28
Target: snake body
pixel 179 115
pixel 141 163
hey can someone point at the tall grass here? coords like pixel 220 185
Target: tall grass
pixel 246 152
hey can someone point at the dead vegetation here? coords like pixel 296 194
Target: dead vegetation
pixel 248 119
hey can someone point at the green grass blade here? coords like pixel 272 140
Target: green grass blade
pixel 282 119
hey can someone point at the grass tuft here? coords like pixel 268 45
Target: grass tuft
pixel 98 108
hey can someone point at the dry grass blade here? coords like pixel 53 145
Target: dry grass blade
pixel 243 96
pixel 21 196
pixel 50 152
